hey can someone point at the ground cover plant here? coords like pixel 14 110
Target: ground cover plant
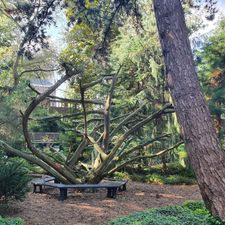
pixel 190 213
pixel 174 174
pixel 11 221
pixel 14 180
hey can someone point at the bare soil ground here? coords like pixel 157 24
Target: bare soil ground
pixel 95 208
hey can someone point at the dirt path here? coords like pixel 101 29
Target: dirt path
pixel 95 208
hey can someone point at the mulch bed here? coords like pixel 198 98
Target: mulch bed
pixel 94 208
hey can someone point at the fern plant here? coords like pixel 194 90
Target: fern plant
pixel 13 179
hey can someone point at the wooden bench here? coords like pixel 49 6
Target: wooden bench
pixel 112 187
pixel 39 182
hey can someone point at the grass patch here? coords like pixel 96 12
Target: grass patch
pixel 190 213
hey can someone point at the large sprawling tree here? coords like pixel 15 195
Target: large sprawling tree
pixel 106 138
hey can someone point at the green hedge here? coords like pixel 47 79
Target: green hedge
pixel 11 221
pixel 190 213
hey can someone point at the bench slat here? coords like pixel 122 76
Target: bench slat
pixel 83 185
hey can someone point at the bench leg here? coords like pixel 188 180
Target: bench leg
pixel 111 192
pixel 35 188
pixel 122 188
pixel 94 190
pixel 56 181
pixel 63 194
pixel 40 188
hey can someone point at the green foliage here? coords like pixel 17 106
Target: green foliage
pixel 13 178
pixel 178 179
pixel 190 213
pixel 82 42
pixel 154 178
pixel 182 157
pixel 45 126
pixel 139 52
pixel 11 107
pixel 122 176
pixel 6 50
pixel 175 174
pixel 32 168
pixel 164 179
pixel 142 76
pixel 11 221
pixel 211 70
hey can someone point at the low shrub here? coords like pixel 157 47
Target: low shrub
pixel 11 221
pixel 121 176
pixel 190 213
pixel 178 179
pixel 13 179
pixel 175 174
pixel 154 178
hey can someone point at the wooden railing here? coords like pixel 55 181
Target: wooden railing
pixel 44 137
pixel 58 105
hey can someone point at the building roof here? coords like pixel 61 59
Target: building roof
pixel 43 83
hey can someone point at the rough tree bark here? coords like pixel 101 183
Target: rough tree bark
pixel 201 141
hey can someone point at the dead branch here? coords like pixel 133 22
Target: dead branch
pixel 69 115
pixel 75 157
pixel 37 70
pixel 108 102
pixel 97 147
pixel 83 106
pixel 141 146
pixel 78 101
pixel 120 125
pixel 144 157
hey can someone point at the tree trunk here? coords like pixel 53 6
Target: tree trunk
pixel 204 150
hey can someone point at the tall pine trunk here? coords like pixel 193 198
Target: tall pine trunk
pixel 204 150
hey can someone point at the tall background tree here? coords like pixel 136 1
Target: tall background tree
pixel 211 67
pixel 103 129
pixel 201 141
